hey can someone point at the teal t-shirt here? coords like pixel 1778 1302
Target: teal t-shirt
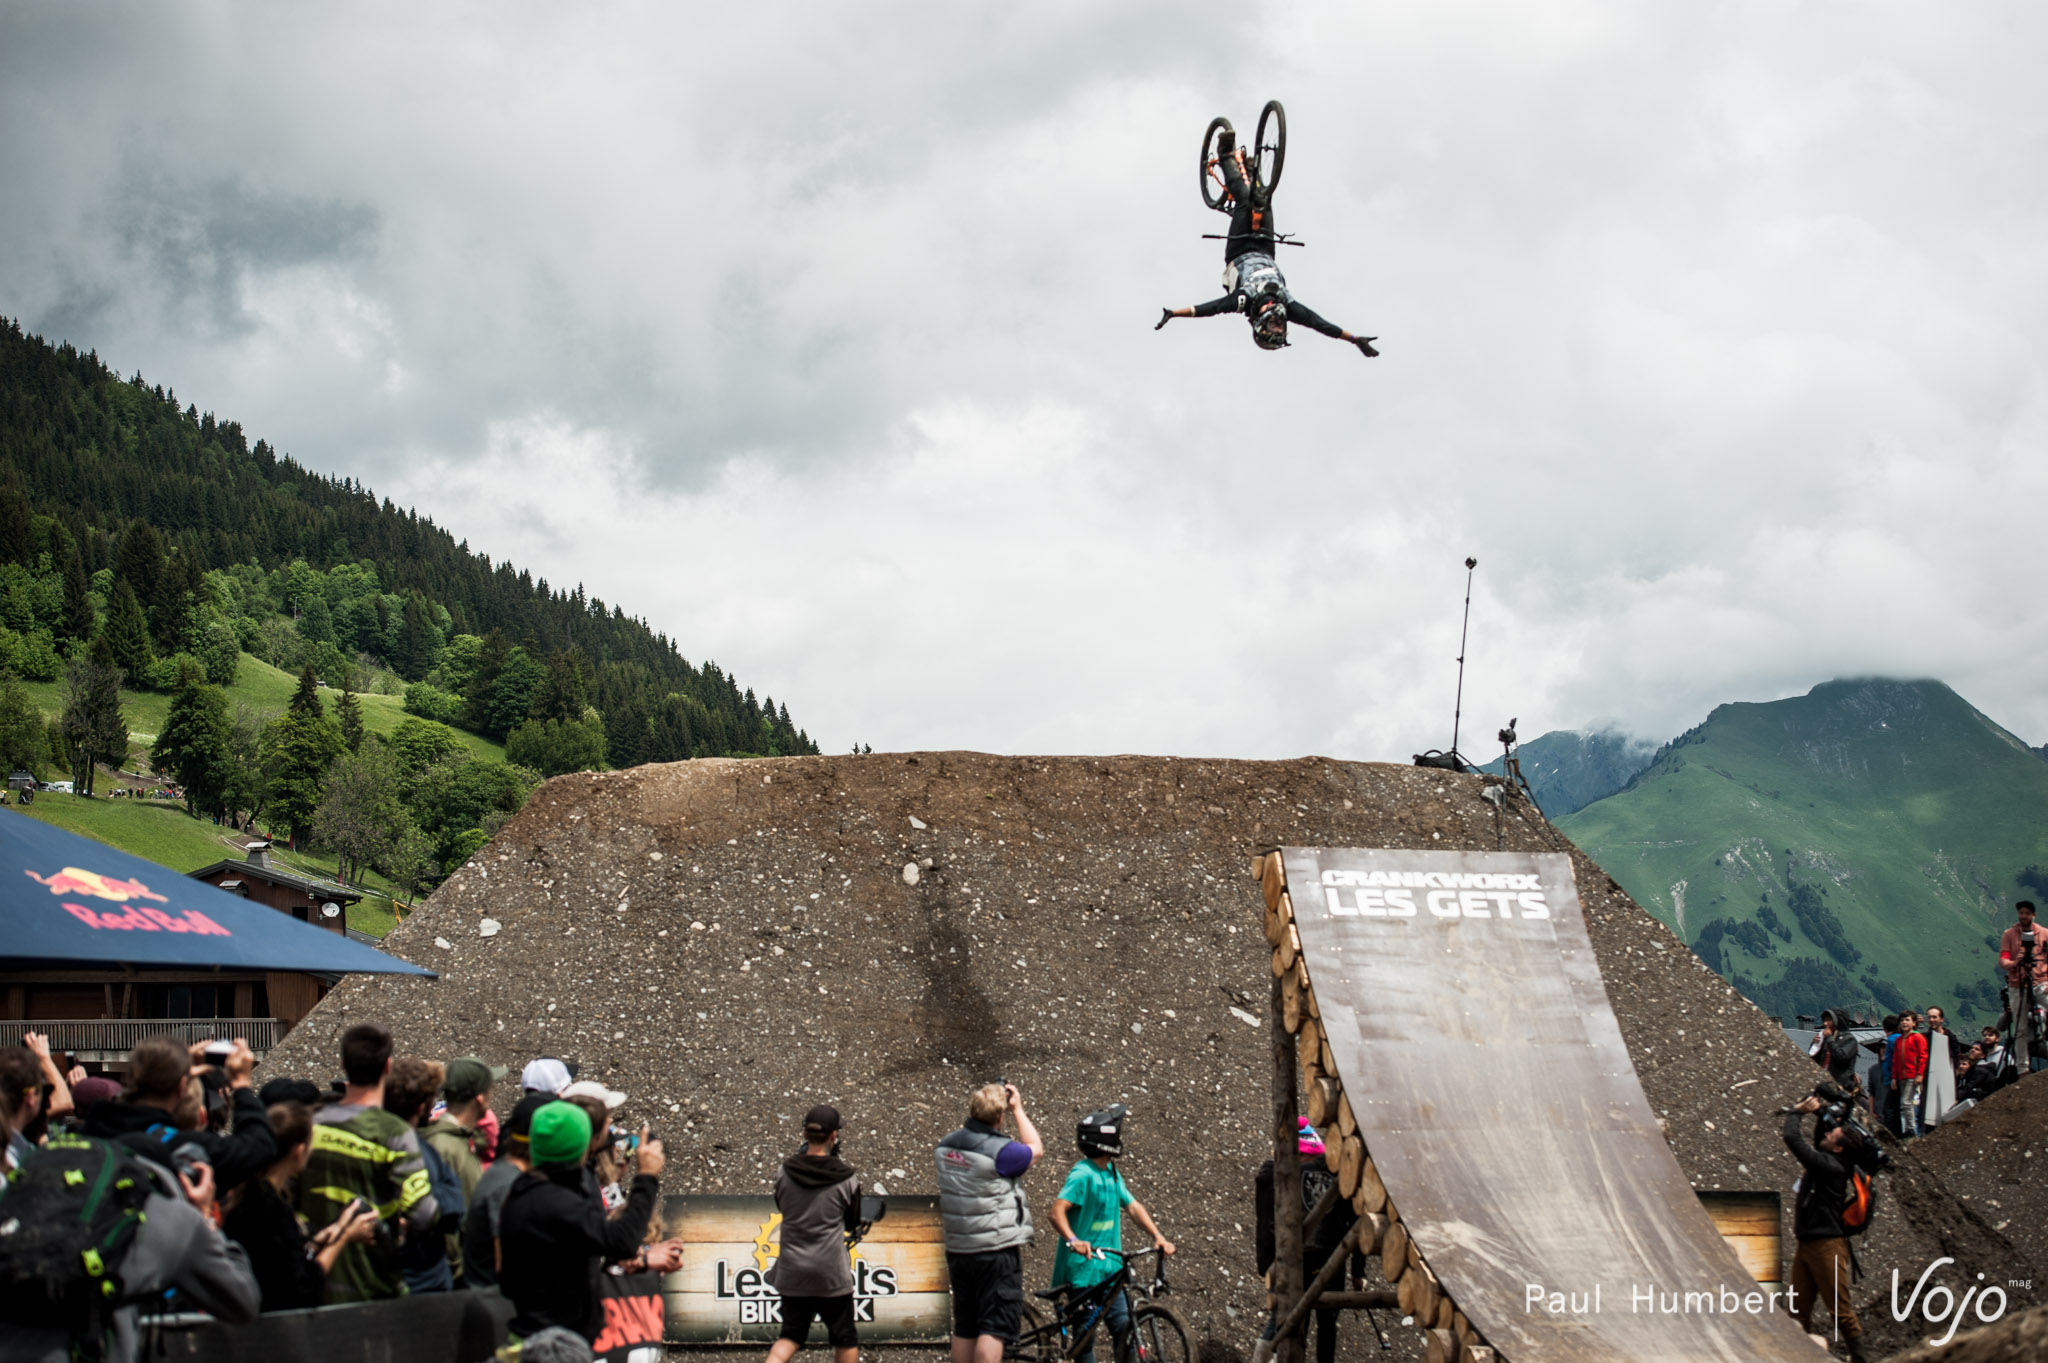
pixel 1099 1197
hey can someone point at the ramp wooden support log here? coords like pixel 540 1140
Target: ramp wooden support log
pixel 1290 1324
pixel 1287 1210
pixel 1374 1300
pixel 1316 1213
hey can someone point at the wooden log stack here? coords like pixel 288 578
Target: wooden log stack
pixel 1449 1336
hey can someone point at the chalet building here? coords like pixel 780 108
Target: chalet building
pixel 98 1015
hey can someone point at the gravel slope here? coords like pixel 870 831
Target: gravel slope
pixel 731 941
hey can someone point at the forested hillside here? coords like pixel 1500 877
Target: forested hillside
pixel 140 491
pixel 157 568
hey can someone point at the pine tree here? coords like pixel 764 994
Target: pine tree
pixel 94 727
pixel 78 614
pixel 349 714
pixel 415 641
pixel 306 700
pixel 298 749
pixel 24 738
pixel 17 539
pixel 196 747
pixel 127 635
pixel 563 696
pixel 141 560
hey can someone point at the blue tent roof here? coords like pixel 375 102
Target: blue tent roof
pixel 67 900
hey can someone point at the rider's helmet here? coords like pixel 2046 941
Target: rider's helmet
pixel 1269 324
pixel 1102 1132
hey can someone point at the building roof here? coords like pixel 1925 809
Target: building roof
pixel 313 886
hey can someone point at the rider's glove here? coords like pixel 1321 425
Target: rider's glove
pixel 1365 346
pixel 1165 316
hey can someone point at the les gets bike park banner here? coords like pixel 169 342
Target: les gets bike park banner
pixel 718 1296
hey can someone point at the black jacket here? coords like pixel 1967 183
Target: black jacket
pixel 1329 1232
pixel 264 1226
pixel 236 1158
pixel 555 1239
pixel 1823 1187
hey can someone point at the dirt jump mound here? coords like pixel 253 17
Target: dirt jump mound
pixel 730 942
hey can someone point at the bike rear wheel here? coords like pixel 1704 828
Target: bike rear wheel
pixel 1160 1336
pixel 1213 192
pixel 1036 1342
pixel 1271 144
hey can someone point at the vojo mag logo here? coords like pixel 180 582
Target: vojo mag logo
pixel 760 1304
pixel 1439 894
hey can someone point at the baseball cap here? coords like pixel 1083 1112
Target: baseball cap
pixel 515 1136
pixel 86 1092
pixel 590 1088
pixel 468 1077
pixel 546 1075
pixel 822 1119
pixel 561 1134
pixel 285 1089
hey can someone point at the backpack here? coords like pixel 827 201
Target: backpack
pixel 67 1222
pixel 1859 1204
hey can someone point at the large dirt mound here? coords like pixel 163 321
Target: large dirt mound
pixel 731 941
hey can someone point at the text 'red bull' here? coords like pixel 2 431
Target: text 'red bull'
pixel 147 920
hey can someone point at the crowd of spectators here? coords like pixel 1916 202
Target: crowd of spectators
pixel 1924 1073
pixel 394 1179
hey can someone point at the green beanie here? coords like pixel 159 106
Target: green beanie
pixel 561 1134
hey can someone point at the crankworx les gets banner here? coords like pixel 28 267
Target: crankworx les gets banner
pixel 719 1295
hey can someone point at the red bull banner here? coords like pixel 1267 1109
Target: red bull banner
pixel 91 884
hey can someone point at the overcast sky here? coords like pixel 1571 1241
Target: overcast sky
pixel 821 336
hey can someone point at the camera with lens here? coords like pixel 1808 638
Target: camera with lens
pixel 1841 1111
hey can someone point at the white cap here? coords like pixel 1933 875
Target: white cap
pixel 589 1088
pixel 546 1075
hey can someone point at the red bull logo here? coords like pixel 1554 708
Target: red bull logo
pixel 72 880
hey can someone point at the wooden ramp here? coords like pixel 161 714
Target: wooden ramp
pixel 1458 1049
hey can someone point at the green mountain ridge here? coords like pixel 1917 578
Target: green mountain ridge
pixel 1857 846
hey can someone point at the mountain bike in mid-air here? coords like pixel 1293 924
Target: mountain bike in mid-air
pixel 1240 181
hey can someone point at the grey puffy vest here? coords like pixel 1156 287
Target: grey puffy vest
pixel 982 1210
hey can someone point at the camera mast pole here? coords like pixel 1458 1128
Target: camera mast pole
pixel 1458 706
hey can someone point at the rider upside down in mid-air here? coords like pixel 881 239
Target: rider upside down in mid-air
pixel 1256 286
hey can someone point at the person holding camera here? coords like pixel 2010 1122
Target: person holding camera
pixel 174 1245
pixel 162 1110
pixel 553 1236
pixel 987 1220
pixel 2023 952
pixel 291 1269
pixel 1822 1269
pixel 818 1195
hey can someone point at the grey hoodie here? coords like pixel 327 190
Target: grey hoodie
pixel 175 1247
pixel 819 1198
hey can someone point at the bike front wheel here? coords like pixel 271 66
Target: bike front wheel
pixel 1037 1341
pixel 1160 1336
pixel 1271 144
pixel 1214 194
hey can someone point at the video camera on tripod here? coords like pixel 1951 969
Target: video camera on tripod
pixel 2033 1006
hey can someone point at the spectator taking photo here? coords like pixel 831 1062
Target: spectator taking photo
pixel 818 1195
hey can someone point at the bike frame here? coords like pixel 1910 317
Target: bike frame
pixel 1093 1302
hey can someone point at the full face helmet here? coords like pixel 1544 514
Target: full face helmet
pixel 1102 1132
pixel 1269 327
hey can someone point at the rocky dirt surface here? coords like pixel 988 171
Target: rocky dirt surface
pixel 2020 1338
pixel 731 941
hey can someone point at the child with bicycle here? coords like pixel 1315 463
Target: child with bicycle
pixel 1089 1215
